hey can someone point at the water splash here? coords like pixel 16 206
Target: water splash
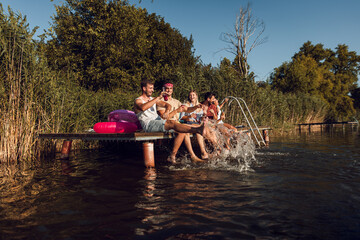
pixel 235 150
pixel 232 150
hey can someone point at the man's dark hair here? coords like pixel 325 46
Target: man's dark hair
pixel 145 82
pixel 209 95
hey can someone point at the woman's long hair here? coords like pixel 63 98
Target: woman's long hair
pixel 197 97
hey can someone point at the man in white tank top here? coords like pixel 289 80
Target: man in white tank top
pixel 145 109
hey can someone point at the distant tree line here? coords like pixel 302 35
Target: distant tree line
pixel 330 75
pixel 96 53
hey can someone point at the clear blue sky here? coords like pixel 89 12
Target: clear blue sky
pixel 289 24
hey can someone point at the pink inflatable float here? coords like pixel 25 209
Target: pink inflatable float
pixel 123 115
pixel 115 127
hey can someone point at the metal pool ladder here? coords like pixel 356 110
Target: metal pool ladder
pixel 252 124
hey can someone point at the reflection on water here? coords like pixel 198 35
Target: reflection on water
pixel 303 186
pixel 14 188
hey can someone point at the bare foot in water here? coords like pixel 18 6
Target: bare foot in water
pixel 172 159
pixel 205 156
pixel 195 159
pixel 210 135
pixel 203 128
pixel 214 154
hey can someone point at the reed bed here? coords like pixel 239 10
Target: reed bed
pixel 32 95
pixel 17 114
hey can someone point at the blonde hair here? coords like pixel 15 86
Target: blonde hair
pixel 197 100
pixel 188 103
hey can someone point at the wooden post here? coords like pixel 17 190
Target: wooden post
pixel 65 150
pixel 66 167
pixel 149 158
pixel 266 137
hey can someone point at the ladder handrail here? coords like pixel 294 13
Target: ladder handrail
pixel 256 127
pixel 246 118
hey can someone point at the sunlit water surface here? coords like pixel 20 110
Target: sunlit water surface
pixel 303 186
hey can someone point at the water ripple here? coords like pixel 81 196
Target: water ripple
pixel 300 187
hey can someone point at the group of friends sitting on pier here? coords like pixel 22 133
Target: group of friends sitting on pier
pixel 165 113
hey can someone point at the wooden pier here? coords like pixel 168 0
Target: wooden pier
pixel 145 137
pixel 309 125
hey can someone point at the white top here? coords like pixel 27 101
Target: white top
pixel 148 115
pixel 199 113
pixel 219 114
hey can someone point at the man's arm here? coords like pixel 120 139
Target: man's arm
pixel 192 109
pixel 140 106
pixel 225 101
pixel 173 113
pixel 165 114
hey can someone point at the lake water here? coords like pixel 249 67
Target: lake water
pixel 303 186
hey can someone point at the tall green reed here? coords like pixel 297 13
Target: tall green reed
pixel 17 114
pixel 35 98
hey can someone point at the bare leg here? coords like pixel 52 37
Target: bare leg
pixel 230 126
pixel 201 143
pixel 210 135
pixel 183 128
pixel 188 145
pixel 225 131
pixel 177 143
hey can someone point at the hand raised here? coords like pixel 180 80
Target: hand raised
pixel 166 115
pixel 182 108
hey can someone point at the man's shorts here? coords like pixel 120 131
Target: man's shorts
pixel 157 125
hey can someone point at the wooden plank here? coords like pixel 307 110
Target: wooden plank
pixel 137 136
pixel 305 124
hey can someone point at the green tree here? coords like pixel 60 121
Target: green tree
pixel 317 52
pixel 112 45
pixel 323 73
pixel 302 75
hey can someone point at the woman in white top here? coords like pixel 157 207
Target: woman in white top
pixel 195 118
pixel 221 115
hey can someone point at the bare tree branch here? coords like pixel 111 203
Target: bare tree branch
pixel 247 35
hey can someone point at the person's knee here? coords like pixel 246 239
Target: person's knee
pixel 171 123
pixel 181 135
pixel 199 136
